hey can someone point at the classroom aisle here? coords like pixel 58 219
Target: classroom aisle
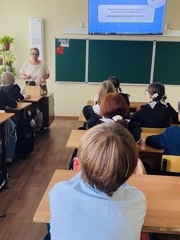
pixel 29 178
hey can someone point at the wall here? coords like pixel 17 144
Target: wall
pixel 58 14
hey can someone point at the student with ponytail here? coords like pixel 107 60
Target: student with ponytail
pixel 115 81
pixel 157 113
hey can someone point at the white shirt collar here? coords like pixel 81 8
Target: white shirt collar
pixel 153 103
pixel 106 120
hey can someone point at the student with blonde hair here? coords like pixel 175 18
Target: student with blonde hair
pixel 115 81
pixel 92 113
pixel 8 102
pixel 10 88
pixel 98 203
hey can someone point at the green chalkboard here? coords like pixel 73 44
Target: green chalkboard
pixel 70 61
pixel 130 61
pixel 167 63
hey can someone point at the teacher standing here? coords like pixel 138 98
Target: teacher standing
pixel 35 69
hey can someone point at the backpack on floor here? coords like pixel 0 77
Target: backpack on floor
pixel 38 118
pixel 25 137
pixel 3 179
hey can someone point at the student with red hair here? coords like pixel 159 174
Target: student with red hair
pixel 113 108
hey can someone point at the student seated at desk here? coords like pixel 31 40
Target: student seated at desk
pixel 10 88
pixel 91 113
pixel 34 116
pixel 98 203
pixel 157 113
pixel 169 140
pixel 113 108
pixel 5 102
pixel 115 81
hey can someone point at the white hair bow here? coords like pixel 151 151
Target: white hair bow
pixel 117 117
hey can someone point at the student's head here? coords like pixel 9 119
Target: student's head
pixel 114 104
pixel 115 81
pixel 156 91
pixel 7 78
pixel 34 52
pixel 105 88
pixel 108 157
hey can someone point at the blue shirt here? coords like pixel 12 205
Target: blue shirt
pixel 81 212
pixel 169 140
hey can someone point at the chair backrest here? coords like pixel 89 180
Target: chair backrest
pixel 152 130
pixel 170 163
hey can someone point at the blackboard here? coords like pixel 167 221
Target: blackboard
pixel 130 61
pixel 70 62
pixel 167 63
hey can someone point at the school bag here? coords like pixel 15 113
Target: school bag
pixel 25 137
pixel 4 177
pixel 38 118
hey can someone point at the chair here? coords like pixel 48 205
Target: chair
pixel 152 130
pixel 170 163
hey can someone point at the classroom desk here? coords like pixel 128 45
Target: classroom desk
pixel 46 105
pixel 3 118
pixel 136 105
pixel 162 194
pixel 81 115
pixel 20 106
pixel 19 110
pixel 151 157
pixel 34 99
pixel 75 136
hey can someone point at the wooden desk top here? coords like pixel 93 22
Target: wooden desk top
pixel 162 194
pixel 75 136
pixel 144 148
pixel 136 105
pixel 34 99
pixel 20 106
pixel 81 115
pixel 4 116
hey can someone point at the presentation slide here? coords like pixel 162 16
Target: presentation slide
pixel 126 16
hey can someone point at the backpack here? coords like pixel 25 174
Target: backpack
pixel 38 118
pixel 25 137
pixel 91 117
pixel 4 177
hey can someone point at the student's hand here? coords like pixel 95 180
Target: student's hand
pixel 143 143
pixel 28 76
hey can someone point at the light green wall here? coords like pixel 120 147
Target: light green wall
pixel 58 14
